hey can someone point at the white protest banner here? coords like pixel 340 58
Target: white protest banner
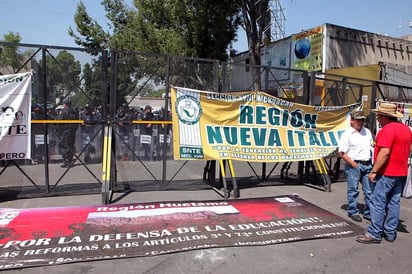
pixel 15 116
pixel 253 126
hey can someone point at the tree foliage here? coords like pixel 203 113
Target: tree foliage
pixel 63 74
pixel 177 27
pixel 92 35
pixel 10 58
pixel 194 28
pixel 92 93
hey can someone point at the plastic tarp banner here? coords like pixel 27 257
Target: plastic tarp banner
pixel 58 235
pixel 15 116
pixel 253 126
pixel 407 189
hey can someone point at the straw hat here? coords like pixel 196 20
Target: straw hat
pixel 388 109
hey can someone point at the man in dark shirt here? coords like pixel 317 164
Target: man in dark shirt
pixel 67 134
pixel 147 130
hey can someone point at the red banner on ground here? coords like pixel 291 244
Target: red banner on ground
pixel 48 236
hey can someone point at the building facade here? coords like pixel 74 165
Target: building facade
pixel 328 49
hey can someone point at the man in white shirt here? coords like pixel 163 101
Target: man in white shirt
pixel 355 148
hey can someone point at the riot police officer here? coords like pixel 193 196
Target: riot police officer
pixel 124 117
pixel 37 134
pixel 87 131
pixel 146 129
pixel 67 134
pixel 164 132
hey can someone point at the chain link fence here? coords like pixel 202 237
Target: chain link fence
pixel 76 93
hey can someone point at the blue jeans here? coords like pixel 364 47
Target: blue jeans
pixel 386 196
pixel 354 176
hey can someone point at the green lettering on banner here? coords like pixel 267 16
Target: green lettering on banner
pixel 14 79
pixel 191 152
pixel 243 136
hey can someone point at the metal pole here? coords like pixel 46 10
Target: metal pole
pixel 164 145
pixel 44 83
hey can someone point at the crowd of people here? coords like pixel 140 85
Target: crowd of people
pixel 148 137
pixel 136 140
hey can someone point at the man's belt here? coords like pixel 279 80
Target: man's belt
pixel 367 162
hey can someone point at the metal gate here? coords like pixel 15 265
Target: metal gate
pixel 115 106
pixel 100 120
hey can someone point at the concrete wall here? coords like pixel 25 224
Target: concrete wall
pixel 347 47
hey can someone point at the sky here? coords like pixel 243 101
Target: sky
pixel 45 22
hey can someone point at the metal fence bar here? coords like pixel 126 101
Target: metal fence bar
pixel 111 68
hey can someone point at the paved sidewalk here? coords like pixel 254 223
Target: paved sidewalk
pixel 341 255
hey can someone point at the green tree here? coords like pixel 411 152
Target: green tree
pixel 11 59
pixel 92 89
pixel 63 75
pixel 202 29
pixel 196 28
pixel 92 35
